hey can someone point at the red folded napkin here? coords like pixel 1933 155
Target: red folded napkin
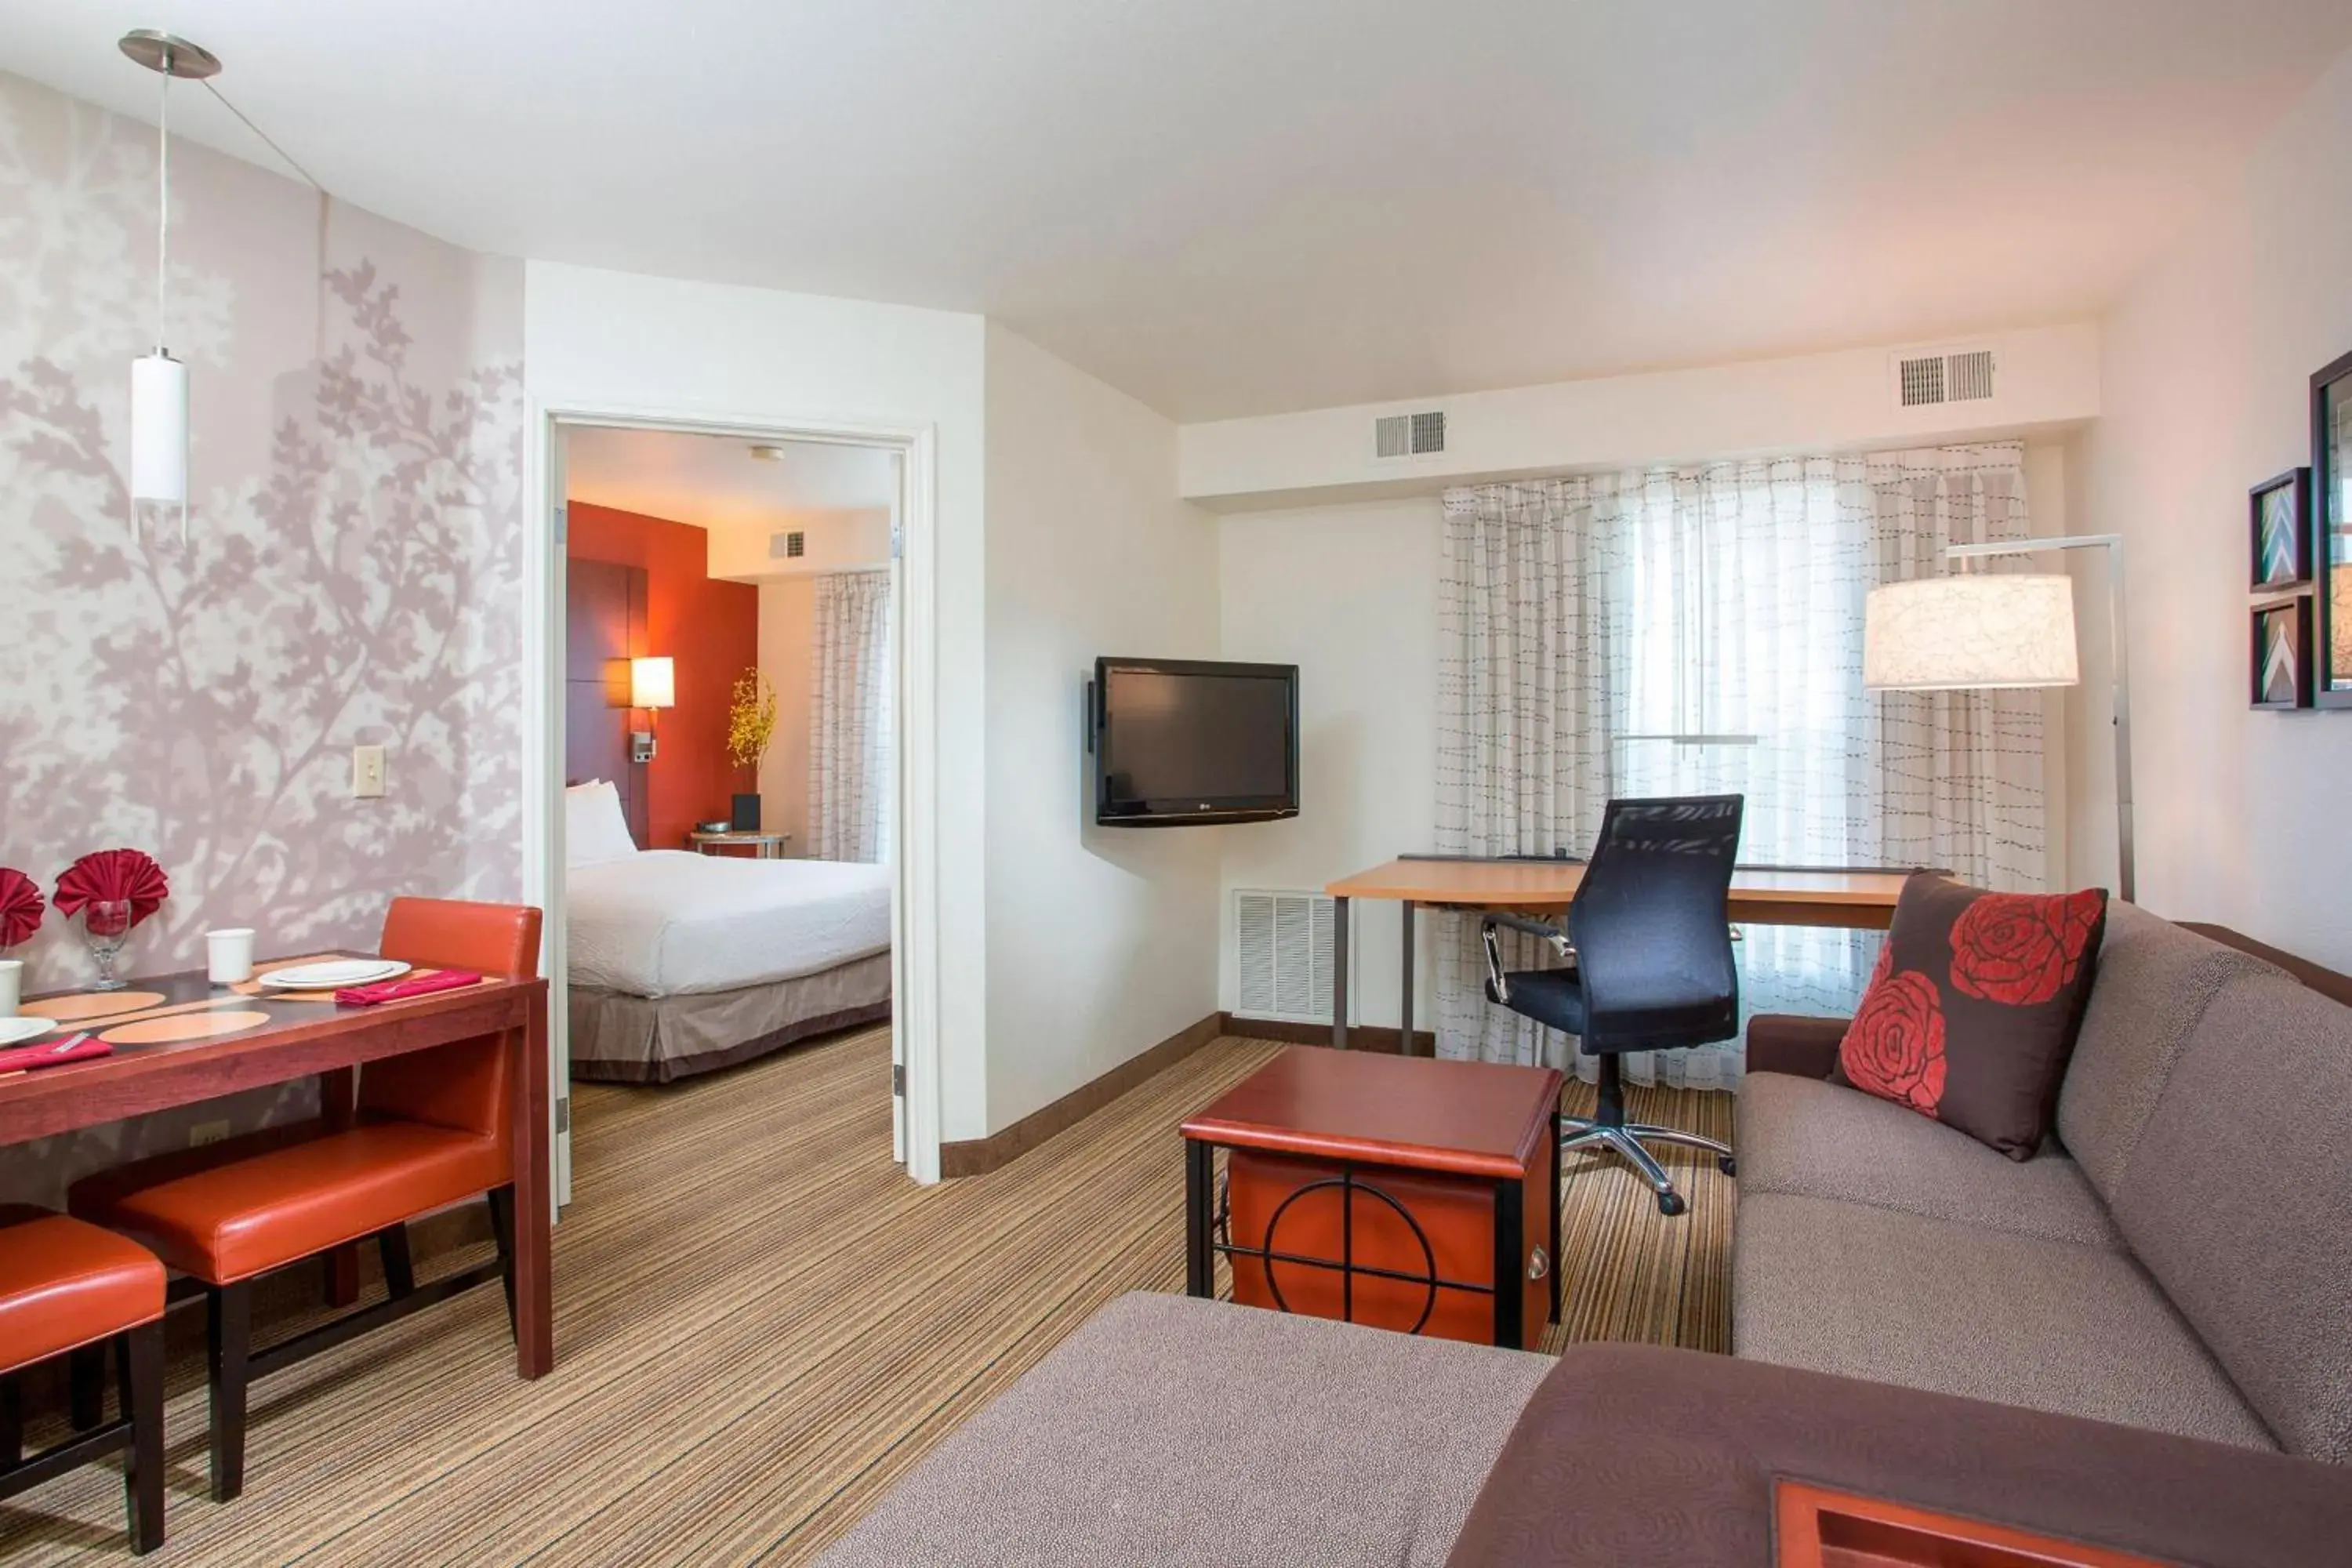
pixel 129 875
pixel 56 1053
pixel 407 987
pixel 21 906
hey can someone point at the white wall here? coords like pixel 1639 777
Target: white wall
pixel 1101 942
pixel 1349 594
pixel 2047 378
pixel 837 539
pixel 2207 387
pixel 787 630
pixel 613 341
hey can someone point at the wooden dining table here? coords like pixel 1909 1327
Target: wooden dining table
pixel 179 1040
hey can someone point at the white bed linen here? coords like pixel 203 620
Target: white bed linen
pixel 668 923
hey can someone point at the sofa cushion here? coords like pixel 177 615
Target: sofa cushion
pixel 2238 1201
pixel 1168 1430
pixel 1870 1292
pixel 1825 1141
pixel 2154 982
pixel 1971 1014
pixel 1632 1454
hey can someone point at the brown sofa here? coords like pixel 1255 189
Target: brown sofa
pixel 2136 1316
pixel 2179 1259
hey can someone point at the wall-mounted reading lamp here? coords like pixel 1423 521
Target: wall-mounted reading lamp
pixel 653 685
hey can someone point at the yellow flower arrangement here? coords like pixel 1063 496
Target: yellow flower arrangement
pixel 751 720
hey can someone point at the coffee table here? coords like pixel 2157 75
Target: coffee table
pixel 1403 1191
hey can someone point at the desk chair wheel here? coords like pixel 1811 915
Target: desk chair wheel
pixel 1728 1165
pixel 1671 1203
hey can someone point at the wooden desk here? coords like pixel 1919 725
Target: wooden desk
pixel 1853 898
pixel 302 1039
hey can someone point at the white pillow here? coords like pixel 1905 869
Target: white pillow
pixel 582 787
pixel 593 829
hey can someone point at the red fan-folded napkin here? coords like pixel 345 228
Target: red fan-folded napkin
pixel 127 875
pixel 407 987
pixel 21 906
pixel 57 1053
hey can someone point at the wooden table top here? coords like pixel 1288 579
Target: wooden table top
pixel 1552 884
pixel 1472 1119
pixel 275 1037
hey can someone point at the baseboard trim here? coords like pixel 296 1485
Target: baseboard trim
pixel 1378 1038
pixel 978 1156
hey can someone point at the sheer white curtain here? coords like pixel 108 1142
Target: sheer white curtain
pixel 849 719
pixel 1699 631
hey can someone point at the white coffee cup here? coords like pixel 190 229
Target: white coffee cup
pixel 12 985
pixel 229 955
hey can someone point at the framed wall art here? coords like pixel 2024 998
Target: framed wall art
pixel 2281 653
pixel 2331 532
pixel 2279 513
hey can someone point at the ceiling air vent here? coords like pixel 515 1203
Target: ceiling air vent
pixel 1409 435
pixel 1955 375
pixel 787 546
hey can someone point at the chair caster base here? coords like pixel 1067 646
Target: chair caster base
pixel 1671 1203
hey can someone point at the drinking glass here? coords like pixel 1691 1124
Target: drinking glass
pixel 106 926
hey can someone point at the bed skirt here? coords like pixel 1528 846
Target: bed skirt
pixel 617 1037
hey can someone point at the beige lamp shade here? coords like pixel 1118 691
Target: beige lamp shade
pixel 1969 632
pixel 653 683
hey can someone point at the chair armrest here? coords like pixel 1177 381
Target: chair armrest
pixel 1783 1042
pixel 1555 935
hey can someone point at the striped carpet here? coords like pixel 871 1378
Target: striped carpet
pixel 760 1325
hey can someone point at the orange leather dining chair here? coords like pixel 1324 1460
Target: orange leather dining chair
pixel 66 1285
pixel 431 1128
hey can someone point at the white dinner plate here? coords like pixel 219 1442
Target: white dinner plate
pixel 16 1031
pixel 333 974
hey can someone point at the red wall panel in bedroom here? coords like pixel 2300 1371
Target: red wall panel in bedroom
pixel 710 629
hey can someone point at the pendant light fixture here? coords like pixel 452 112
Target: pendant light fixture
pixel 159 384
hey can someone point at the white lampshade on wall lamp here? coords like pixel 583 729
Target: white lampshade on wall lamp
pixel 652 684
pixel 1978 631
pixel 159 382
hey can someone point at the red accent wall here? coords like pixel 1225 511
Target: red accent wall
pixel 710 629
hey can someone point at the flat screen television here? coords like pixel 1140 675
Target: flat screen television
pixel 1181 742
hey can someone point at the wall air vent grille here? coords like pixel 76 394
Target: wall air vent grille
pixel 1969 376
pixel 1283 945
pixel 1409 435
pixel 787 546
pixel 1961 375
pixel 1923 381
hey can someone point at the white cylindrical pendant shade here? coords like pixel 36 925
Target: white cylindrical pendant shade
pixel 1969 632
pixel 159 429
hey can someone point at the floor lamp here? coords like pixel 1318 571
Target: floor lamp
pixel 1976 631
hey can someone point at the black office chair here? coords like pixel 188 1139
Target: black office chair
pixel 1649 944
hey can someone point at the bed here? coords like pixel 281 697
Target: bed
pixel 682 963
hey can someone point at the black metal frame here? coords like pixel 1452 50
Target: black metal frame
pixel 1203 1242
pixel 137 1432
pixel 2330 382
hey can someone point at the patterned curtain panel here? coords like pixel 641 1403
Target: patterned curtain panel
pixel 1699 631
pixel 849 719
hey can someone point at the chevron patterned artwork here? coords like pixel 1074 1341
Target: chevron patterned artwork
pixel 2282 654
pixel 2279 512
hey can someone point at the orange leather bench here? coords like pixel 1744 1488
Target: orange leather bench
pixel 432 1129
pixel 65 1286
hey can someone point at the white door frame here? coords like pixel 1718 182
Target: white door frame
pixel 914 901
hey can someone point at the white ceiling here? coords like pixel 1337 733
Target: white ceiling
pixel 714 482
pixel 1238 206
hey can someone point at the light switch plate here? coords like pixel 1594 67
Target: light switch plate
pixel 367 772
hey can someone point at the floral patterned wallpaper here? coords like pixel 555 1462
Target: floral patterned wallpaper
pixel 350 573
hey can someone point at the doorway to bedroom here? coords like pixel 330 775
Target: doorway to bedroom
pixel 731 702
